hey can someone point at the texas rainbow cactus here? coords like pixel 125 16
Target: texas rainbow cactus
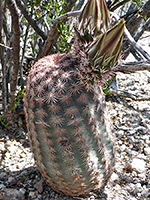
pixel 69 130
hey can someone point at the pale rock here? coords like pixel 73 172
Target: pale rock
pixel 123 147
pixel 114 177
pixel 138 165
pixel 145 192
pixel 12 181
pixel 2 186
pixel 133 198
pixel 147 150
pixel 22 190
pixel 142 175
pixel 134 173
pixel 39 186
pixel 32 193
pixel 2 175
pixel 92 197
pixel 13 194
pixel 118 187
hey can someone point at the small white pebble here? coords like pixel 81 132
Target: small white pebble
pixel 138 165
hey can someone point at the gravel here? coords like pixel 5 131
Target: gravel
pixel 20 179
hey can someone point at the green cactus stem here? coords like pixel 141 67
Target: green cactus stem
pixel 67 119
pixel 67 127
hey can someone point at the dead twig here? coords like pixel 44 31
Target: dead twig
pixel 114 7
pixel 130 67
pixel 136 45
pixel 138 34
pixel 129 95
pixel 30 20
pixel 131 40
pixel 10 48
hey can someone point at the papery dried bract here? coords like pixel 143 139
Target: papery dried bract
pixel 107 46
pixel 95 17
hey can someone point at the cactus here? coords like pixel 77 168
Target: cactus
pixel 65 107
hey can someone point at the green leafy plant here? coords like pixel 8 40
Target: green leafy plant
pixel 3 124
pixel 19 98
pixel 63 40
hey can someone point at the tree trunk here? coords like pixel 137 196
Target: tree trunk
pixel 3 61
pixel 16 53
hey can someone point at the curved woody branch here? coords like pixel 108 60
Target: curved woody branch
pixel 30 20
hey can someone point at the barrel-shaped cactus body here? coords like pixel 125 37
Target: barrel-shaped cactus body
pixel 65 107
pixel 67 125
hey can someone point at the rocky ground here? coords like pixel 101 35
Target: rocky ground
pixel 20 179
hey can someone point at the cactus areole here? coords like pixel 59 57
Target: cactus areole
pixel 65 108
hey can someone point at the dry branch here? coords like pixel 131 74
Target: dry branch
pixel 2 45
pixel 129 95
pixel 16 54
pixel 146 9
pixel 3 60
pixel 114 7
pixel 130 67
pixel 137 35
pixel 136 45
pixel 30 20
pixel 131 39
